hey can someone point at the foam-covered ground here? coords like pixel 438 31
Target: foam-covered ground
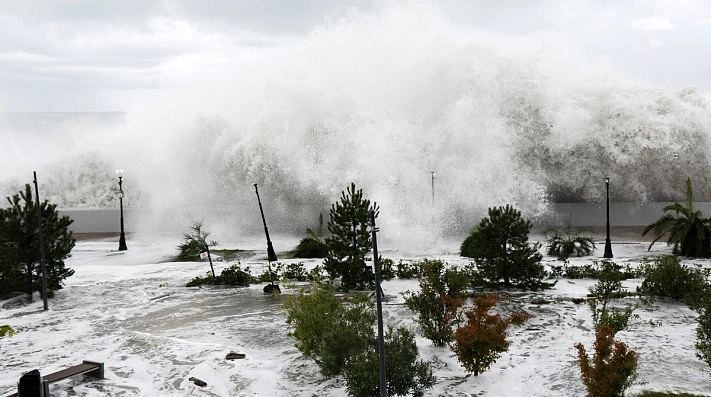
pixel 131 311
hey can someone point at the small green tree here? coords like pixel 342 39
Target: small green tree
pixel 666 277
pixel 612 369
pixel 442 292
pixel 687 230
pixel 194 243
pixel 500 248
pixel 703 330
pixel 482 340
pixel 350 237
pixel 20 268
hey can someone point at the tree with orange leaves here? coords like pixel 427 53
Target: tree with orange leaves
pixel 480 342
pixel 613 367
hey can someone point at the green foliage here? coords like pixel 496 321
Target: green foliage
pixel 442 292
pixel 6 331
pixel 607 289
pixel 407 270
pixel 406 375
pixel 482 340
pixel 291 271
pixel 612 369
pixel 502 253
pixel 338 334
pixel 232 276
pixel 703 328
pixel 387 272
pixel 666 277
pixel 312 246
pixel 688 232
pixel 595 269
pixel 350 238
pixel 569 242
pixel 20 268
pixel 194 243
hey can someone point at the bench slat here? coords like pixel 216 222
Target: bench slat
pixel 71 371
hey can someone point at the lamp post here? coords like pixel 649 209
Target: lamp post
pixel 608 246
pixel 432 172
pixel 122 239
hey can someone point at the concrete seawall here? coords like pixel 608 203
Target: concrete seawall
pixel 591 215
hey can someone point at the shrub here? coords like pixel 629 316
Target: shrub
pixel 612 369
pixel 407 270
pixel 482 340
pixel 232 276
pixel 387 272
pixel 596 269
pixel 607 289
pixel 406 375
pixel 20 268
pixel 292 271
pixel 502 253
pixel 441 294
pixel 703 328
pixel 6 331
pixel 569 242
pixel 194 243
pixel 312 246
pixel 339 336
pixel 668 278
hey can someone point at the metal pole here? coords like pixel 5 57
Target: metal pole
pixel 608 245
pixel 271 255
pixel 379 303
pixel 207 248
pixel 432 172
pixel 122 238
pixel 41 243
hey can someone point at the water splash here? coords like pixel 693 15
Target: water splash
pixel 384 98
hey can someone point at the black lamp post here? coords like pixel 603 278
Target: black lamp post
pixel 122 239
pixel 608 246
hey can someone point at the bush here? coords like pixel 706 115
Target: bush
pixel 607 289
pixel 406 375
pixel 339 336
pixel 20 268
pixel 480 342
pixel 612 369
pixel 569 242
pixel 291 271
pixel 703 328
pixel 596 269
pixel 194 243
pixel 441 294
pixel 668 278
pixel 407 270
pixel 387 272
pixel 232 276
pixel 500 248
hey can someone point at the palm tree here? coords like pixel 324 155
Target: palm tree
pixel 688 231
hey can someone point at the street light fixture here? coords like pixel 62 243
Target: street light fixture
pixel 608 245
pixel 122 239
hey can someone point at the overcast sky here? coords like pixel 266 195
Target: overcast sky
pixel 82 55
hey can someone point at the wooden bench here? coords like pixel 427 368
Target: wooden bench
pixel 88 368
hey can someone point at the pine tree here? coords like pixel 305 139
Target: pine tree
pixel 500 248
pixel 20 268
pixel 350 237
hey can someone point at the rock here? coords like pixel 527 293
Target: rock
pixel 197 381
pixel 235 356
pixel 578 301
pixel 269 289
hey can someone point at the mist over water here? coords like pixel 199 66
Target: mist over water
pixel 382 100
